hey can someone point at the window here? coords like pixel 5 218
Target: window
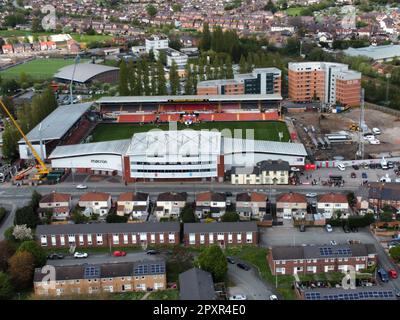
pixel 161 237
pixel 171 237
pixel 53 240
pixel 211 238
pixel 230 240
pixel 202 238
pixel 220 236
pixel 62 240
pixel 239 238
pixel 43 240
pixel 249 237
pixel 192 238
pixel 153 238
pixel 71 239
pixel 89 239
pixel 99 239
pixel 116 238
pixel 143 236
pixel 133 238
pixel 81 240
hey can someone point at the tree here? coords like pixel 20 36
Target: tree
pixel 205 41
pixel 161 82
pixel 22 233
pixel 174 78
pixel 230 217
pixel 6 288
pixel 153 81
pixel 177 7
pixel 151 10
pixel 6 252
pixel 229 69
pixel 242 64
pixel 386 216
pixel 123 79
pixel 22 266
pixel 10 142
pixel 77 216
pixel 114 218
pixel 189 80
pixel 395 253
pixel 26 216
pixel 146 78
pixel 35 200
pixel 213 260
pixel 36 250
pixel 162 56
pixel 187 214
pixel 9 86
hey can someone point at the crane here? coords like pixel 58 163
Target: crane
pixel 43 169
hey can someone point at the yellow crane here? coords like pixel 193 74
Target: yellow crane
pixel 43 169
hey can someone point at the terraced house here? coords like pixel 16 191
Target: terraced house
pixel 102 278
pixel 107 234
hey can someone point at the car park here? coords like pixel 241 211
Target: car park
pixel 79 255
pixel 230 260
pixel 328 228
pixel 238 297
pixel 383 275
pixel 118 253
pixel 243 266
pixel 55 256
pixel 392 274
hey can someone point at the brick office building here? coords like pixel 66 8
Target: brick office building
pixel 284 260
pixel 100 278
pixel 221 233
pixel 107 234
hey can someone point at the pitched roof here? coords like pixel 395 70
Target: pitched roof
pixel 220 227
pixel 130 196
pixel 210 196
pixel 55 197
pixel 274 165
pixel 196 284
pixel 95 196
pixel 332 198
pixel 251 197
pixel 384 191
pixel 107 228
pixel 172 196
pixel 291 197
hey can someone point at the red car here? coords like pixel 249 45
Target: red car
pixel 392 273
pixel 118 253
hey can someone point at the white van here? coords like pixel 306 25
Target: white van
pixel 341 167
pixel 376 130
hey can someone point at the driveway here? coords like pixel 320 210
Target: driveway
pixel 248 283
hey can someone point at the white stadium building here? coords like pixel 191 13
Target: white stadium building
pixel 182 154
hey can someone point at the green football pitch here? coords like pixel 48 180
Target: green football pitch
pixel 38 69
pixel 266 130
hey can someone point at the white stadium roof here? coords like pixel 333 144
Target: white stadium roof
pixel 117 147
pixel 84 71
pixel 177 142
pixel 189 98
pixel 57 123
pixel 375 52
pixel 232 145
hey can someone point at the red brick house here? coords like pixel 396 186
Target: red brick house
pixel 221 233
pixel 289 260
pixel 108 234
pixel 57 203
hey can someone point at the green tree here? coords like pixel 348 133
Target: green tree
pixel 205 41
pixel 213 260
pixel 146 78
pixel 153 81
pixel 10 142
pixel 151 10
pixel 270 6
pixel 189 80
pixel 77 217
pixel 209 73
pixel 201 70
pixel 114 218
pixel 22 266
pixel 230 217
pixel 6 252
pixel 187 214
pixel 161 82
pixel 123 79
pixel 386 216
pixel 26 215
pixel 174 78
pixel 395 253
pixel 6 288
pixel 35 200
pixel 229 68
pixel 242 64
pixel 36 250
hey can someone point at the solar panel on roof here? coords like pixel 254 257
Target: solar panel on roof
pixel 91 272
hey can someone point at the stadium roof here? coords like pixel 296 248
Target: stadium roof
pixel 57 123
pixel 117 147
pixel 83 72
pixel 177 142
pixel 375 52
pixel 190 98
pixel 232 145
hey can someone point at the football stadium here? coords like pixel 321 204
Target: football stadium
pixel 167 137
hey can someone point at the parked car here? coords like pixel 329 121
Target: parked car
pixel 376 130
pixel 81 186
pixel 55 256
pixel 372 166
pixel 333 243
pixel 228 194
pixel 392 274
pixel 383 275
pixel 355 167
pixel 238 297
pixel 328 228
pixel 354 229
pixel 311 195
pixel 294 169
pixel 364 175
pixel 273 297
pixel 390 164
pixel 374 141
pixel 230 260
pixel 365 165
pixel 80 255
pixel 302 228
pixel 353 175
pixel 341 167
pixel 118 253
pixel 152 252
pixel 346 228
pixel 243 266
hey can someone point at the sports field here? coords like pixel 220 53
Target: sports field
pixel 268 130
pixel 38 69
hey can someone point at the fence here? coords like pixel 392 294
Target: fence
pixel 393 112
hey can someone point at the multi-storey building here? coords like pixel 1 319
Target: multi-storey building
pixel 266 172
pixel 101 278
pixel 221 233
pixel 107 234
pixel 288 260
pixel 260 81
pixel 156 43
pixel 327 82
